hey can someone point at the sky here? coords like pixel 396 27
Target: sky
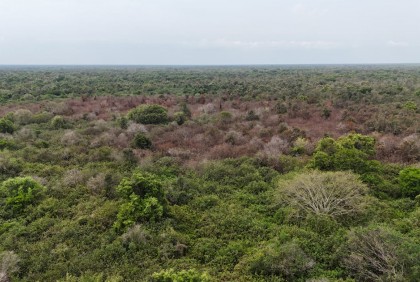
pixel 209 32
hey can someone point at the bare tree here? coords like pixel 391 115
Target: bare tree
pixel 335 194
pixel 373 255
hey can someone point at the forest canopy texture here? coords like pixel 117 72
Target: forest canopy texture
pixel 270 173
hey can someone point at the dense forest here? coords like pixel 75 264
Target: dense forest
pixel 251 173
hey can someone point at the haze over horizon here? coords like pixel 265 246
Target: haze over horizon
pixel 187 32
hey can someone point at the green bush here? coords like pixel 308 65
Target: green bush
pixel 17 193
pixel 382 179
pixel 7 144
pixel 123 122
pixel 149 114
pixel 171 275
pixel 236 172
pixel 363 143
pixel 6 126
pixel 185 110
pixel 97 277
pixel 285 260
pixel 141 141
pixel 410 105
pixel 42 117
pixel 180 118
pixel 58 122
pixel 229 256
pixel 281 108
pixel 225 118
pixel 9 166
pixel 350 152
pixel 129 158
pixel 143 200
pixel 326 113
pixel 409 179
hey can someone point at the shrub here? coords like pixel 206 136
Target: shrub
pixel 180 118
pixel 256 187
pixel 72 178
pixel 171 275
pixel 288 163
pixel 411 106
pixel 149 114
pixel 123 122
pixel 9 166
pixel 6 126
pixel 42 117
pixel 350 152
pixel 235 172
pixel 409 179
pixel 409 148
pixel 6 143
pixel 89 277
pixel 276 146
pixel 186 110
pixel 229 256
pixel 326 113
pixel 58 122
pixel 225 118
pixel 251 115
pixel 336 194
pixel 204 250
pixel 285 260
pixel 235 138
pixel 128 157
pixel 300 146
pixel 137 235
pixel 281 108
pixel 70 138
pixel 363 143
pixel 208 108
pixel 141 141
pixel 144 200
pixel 97 184
pixel 22 116
pixel 17 193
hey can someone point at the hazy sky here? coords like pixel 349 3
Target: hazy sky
pixel 209 31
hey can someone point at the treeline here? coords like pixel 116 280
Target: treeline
pixel 371 84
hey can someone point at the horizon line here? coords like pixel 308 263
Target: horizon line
pixel 205 65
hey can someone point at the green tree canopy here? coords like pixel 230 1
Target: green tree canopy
pixel 409 179
pixel 141 141
pixel 350 152
pixel 19 192
pixel 149 114
pixel 144 200
pixel 6 126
